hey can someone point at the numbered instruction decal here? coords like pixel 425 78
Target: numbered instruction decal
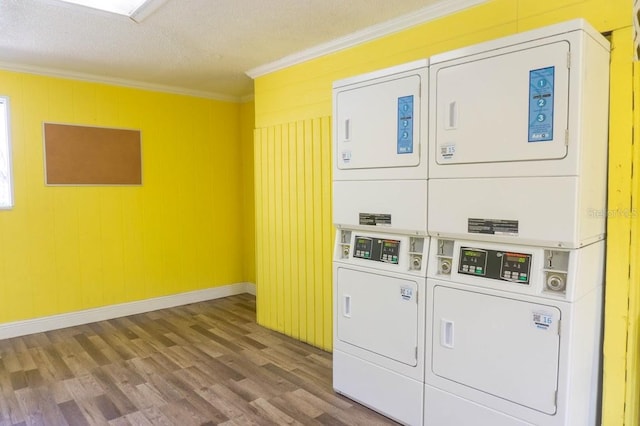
pixel 541 92
pixel 405 125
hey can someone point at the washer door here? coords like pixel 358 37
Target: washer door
pixel 378 313
pixel 505 347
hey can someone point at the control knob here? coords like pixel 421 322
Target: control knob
pixel 416 262
pixel 556 282
pixel 445 266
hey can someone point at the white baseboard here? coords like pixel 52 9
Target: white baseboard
pixel 70 319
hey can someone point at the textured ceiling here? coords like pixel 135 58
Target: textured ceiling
pixel 204 46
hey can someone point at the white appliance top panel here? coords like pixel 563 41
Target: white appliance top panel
pixel 504 347
pixel 542 211
pixel 378 313
pixel 381 73
pixel 524 37
pixel 403 203
pixel 503 108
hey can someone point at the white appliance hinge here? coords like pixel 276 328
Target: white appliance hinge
pixel 566 137
pixel 568 59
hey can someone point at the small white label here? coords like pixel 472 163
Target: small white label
pixel 406 293
pixel 447 151
pixel 346 156
pixel 542 320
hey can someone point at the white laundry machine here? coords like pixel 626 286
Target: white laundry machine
pixel 379 321
pixel 513 334
pixel 380 212
pixel 380 149
pixel 518 138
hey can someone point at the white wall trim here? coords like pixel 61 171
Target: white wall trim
pixel 52 72
pixel 427 14
pixel 70 319
pixel 251 288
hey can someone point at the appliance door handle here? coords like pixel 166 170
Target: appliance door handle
pixel 451 117
pixel 347 306
pixel 347 129
pixel 446 333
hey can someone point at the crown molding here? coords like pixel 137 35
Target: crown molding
pixel 427 14
pixel 52 72
pixel 247 98
pixel 146 10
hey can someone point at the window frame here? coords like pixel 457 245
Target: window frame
pixel 5 139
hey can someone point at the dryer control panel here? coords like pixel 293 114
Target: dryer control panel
pixel 378 249
pixel 495 264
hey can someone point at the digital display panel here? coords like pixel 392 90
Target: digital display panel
pixel 362 243
pixel 472 261
pixel 515 267
pixel 390 251
pixel 495 264
pixel 377 249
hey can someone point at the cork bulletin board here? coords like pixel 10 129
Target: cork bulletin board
pixel 83 155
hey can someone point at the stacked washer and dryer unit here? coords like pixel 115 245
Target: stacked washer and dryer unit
pixel 503 293
pixel 517 208
pixel 380 212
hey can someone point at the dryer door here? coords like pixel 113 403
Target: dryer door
pixel 378 125
pixel 503 108
pixel 378 313
pixel 504 347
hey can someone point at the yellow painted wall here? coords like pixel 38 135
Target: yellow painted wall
pixel 619 402
pixel 71 248
pixel 304 90
pixel 293 269
pixel 247 120
pixel 632 413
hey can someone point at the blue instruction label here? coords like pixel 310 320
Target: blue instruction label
pixel 405 125
pixel 541 92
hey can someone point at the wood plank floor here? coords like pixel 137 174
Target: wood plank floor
pixel 200 364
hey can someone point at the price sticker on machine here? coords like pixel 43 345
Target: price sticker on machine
pixel 406 293
pixel 542 320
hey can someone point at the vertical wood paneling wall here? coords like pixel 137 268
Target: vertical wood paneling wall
pixel 294 233
pixel 301 94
